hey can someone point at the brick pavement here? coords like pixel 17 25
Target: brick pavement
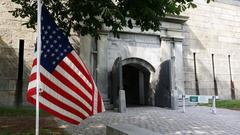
pixel 196 120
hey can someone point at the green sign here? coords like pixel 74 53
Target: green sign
pixel 193 98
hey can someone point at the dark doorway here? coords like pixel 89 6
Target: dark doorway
pixel 135 84
pixel 133 76
pixel 131 85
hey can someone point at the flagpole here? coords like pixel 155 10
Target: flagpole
pixel 39 7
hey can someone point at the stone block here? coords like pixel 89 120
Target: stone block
pixel 4 84
pixel 122 101
pixel 7 98
pixel 12 84
pixel 189 91
pixel 127 129
pixel 8 52
pixel 5 37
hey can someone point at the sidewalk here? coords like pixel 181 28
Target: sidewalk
pixel 196 121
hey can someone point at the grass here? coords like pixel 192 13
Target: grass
pixel 21 111
pixel 228 104
pixel 21 121
pixel 32 132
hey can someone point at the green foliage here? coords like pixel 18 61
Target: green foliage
pixel 89 16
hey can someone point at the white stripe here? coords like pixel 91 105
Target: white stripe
pixel 59 84
pixel 73 81
pixel 57 108
pixel 75 69
pixel 80 60
pixel 63 87
pixel 34 69
pixel 95 100
pixel 103 107
pixel 32 84
pixel 63 99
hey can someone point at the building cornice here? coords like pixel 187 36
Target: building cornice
pixel 176 19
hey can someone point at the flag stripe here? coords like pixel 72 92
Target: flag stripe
pixel 99 103
pixel 56 85
pixel 56 108
pixel 73 70
pixel 66 95
pixel 59 91
pixel 34 62
pixel 32 83
pixel 71 86
pixel 67 73
pixel 52 111
pixel 62 105
pixel 80 61
pixel 31 92
pixel 78 72
pixel 32 77
pixel 79 66
pixel 32 95
pixel 59 85
pixel 63 99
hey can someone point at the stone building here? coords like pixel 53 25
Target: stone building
pixel 195 53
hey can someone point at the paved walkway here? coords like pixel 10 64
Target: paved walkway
pixel 196 121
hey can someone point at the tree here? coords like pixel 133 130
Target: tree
pixel 89 16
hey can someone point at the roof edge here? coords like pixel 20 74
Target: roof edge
pixel 176 18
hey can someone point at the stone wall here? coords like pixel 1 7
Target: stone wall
pixel 11 31
pixel 142 46
pixel 212 29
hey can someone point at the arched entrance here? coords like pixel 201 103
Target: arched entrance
pixel 135 84
pixel 133 76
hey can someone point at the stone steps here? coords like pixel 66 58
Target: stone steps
pixel 107 104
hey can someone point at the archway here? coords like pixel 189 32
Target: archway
pixel 132 75
pixel 136 80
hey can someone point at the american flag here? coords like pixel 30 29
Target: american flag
pixel 67 89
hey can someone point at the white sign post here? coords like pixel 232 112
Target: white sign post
pixel 183 103
pixel 214 111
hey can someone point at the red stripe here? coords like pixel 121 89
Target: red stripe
pixel 84 72
pixel 76 76
pixel 32 77
pixel 34 62
pixel 31 92
pixel 71 86
pixel 62 105
pixel 57 89
pixel 49 110
pixel 79 66
pixel 99 103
